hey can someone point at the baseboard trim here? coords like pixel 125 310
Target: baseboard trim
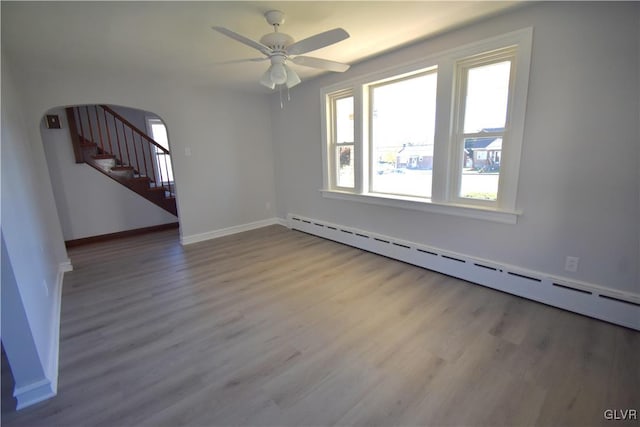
pixel 611 305
pixel 33 393
pixel 195 238
pixel 127 233
pixel 54 350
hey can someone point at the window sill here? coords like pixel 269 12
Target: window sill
pixel 495 215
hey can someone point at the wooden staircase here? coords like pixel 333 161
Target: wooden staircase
pixel 108 142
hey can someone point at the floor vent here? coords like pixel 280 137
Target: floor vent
pixel 572 289
pixel 485 266
pixel 427 252
pixel 524 276
pixel 620 300
pixel 612 305
pixel 401 245
pixel 453 258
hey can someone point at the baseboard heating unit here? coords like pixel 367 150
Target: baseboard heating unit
pixel 621 308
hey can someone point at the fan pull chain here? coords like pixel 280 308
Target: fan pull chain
pixel 281 103
pixel 288 94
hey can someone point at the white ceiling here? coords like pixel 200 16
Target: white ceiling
pixel 175 38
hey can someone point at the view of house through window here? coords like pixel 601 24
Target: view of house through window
pixel 486 95
pixel 442 134
pixel 158 132
pixel 403 116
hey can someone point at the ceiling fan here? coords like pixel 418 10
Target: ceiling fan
pixel 280 47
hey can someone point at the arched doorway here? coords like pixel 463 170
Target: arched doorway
pixel 109 175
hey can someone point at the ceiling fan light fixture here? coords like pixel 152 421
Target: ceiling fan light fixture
pixel 280 47
pixel 292 77
pixel 278 73
pixel 266 81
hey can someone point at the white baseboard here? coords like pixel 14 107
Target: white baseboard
pixel 47 387
pixel 195 238
pixel 64 267
pixel 33 393
pixel 54 350
pixel 611 305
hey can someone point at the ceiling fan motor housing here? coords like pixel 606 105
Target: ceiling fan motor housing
pixel 277 41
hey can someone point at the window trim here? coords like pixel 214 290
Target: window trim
pixel 504 210
pixel 458 135
pixel 333 139
pixel 368 89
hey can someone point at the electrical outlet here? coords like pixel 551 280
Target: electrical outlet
pixel 268 206
pixel 571 263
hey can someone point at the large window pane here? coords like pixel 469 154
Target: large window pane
pixel 344 120
pixel 403 123
pixel 481 168
pixel 487 95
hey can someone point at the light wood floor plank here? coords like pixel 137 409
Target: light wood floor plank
pixel 277 327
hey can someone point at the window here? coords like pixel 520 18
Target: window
pixel 402 116
pixel 483 100
pixel 443 134
pixel 158 132
pixel 342 140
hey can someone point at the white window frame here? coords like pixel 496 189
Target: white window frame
pixel 444 198
pixel 368 89
pixel 458 135
pixel 333 142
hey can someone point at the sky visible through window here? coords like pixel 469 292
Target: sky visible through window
pixel 487 92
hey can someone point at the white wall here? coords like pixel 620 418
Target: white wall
pixel 227 180
pixel 34 247
pixel 578 186
pixel 90 203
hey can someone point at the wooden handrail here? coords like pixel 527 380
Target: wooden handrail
pixel 134 128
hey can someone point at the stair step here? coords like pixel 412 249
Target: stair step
pixel 103 156
pixel 139 180
pixel 104 162
pixel 123 171
pixel 155 194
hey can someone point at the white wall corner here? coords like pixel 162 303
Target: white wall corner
pixel 200 237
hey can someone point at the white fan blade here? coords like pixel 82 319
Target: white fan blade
pixel 265 80
pixel 318 41
pixel 323 64
pixel 238 61
pixel 244 40
pixel 292 77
